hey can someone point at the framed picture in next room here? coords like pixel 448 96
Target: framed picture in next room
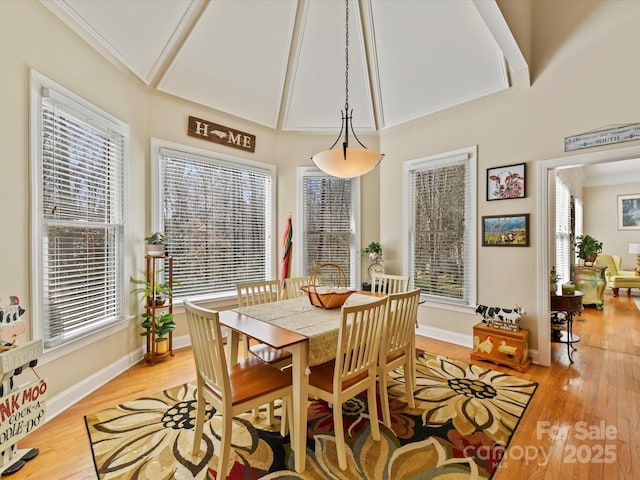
pixel 504 183
pixel 629 212
pixel 505 230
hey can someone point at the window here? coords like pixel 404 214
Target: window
pixel 78 216
pixel 441 225
pixel 217 212
pixel 564 229
pixel 330 209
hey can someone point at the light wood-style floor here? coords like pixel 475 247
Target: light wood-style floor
pixel 582 422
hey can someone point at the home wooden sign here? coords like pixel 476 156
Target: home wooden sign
pixel 216 133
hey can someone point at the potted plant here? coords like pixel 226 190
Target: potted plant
pixel 164 325
pixel 588 248
pixel 155 244
pixel 373 250
pixel 553 279
pixel 154 295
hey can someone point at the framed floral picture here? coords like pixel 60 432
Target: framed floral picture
pixel 506 182
pixel 629 212
pixel 505 230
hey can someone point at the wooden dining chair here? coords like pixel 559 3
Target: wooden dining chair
pixel 230 390
pixel 397 347
pixel 292 286
pixel 385 283
pixel 257 293
pixel 354 368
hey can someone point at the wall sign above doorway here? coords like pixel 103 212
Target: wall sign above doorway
pixel 220 134
pixel 626 133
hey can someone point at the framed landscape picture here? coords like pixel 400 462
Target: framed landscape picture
pixel 505 230
pixel 506 182
pixel 629 212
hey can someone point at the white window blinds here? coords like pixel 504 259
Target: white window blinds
pixel 563 232
pixel 81 196
pixel 218 218
pixel 441 199
pixel 330 209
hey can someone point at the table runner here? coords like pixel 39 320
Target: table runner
pixel 298 315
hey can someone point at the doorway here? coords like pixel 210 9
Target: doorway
pixel 544 232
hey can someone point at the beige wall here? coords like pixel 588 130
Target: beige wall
pixel 583 78
pixel 601 219
pixel 42 42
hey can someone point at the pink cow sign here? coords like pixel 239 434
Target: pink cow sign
pixel 506 182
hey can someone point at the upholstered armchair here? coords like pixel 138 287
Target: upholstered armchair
pixel 616 277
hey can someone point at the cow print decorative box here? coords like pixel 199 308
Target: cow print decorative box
pixel 501 347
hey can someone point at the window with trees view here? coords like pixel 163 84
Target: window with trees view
pixel 217 212
pixel 441 227
pixel 78 198
pixel 330 215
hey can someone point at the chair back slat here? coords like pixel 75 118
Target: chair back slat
pixel 401 320
pixel 385 283
pixel 256 293
pixel 208 349
pixel 292 286
pixel 359 339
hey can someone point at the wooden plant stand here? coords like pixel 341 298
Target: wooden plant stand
pixel 154 264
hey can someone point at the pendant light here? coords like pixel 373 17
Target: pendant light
pixel 347 162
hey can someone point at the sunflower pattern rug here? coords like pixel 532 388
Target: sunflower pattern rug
pixel 465 416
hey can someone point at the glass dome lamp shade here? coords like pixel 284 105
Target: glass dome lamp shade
pixel 356 162
pixel 347 162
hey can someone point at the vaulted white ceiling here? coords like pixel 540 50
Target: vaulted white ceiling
pixel 281 63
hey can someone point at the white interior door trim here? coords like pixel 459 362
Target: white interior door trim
pixel 542 254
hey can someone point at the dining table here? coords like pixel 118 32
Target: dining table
pixel 310 333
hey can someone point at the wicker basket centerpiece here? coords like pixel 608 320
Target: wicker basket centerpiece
pixel 327 296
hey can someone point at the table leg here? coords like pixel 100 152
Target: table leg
pixel 233 338
pixel 412 374
pixel 569 339
pixel 570 346
pixel 299 361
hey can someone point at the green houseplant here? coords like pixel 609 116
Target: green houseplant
pixel 588 248
pixel 146 290
pixel 373 250
pixel 155 244
pixel 164 325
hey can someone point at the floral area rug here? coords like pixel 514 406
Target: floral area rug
pixel 464 418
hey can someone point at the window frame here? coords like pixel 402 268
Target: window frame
pixel 304 172
pixel 157 223
pixel 37 83
pixel 468 154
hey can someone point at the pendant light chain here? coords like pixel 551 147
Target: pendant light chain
pixel 346 55
pixel 334 162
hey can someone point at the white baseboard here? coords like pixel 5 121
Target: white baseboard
pixel 445 335
pixel 65 399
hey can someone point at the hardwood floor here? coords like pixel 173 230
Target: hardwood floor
pixel 582 422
